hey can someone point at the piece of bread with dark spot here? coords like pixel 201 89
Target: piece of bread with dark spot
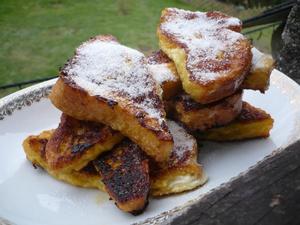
pixel 110 83
pixel 34 148
pixel 251 123
pixel 75 143
pixel 125 174
pixel 196 116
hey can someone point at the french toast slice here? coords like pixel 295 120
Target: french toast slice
pixel 110 83
pixel 183 172
pixel 259 75
pixel 164 72
pixel 125 174
pixel 211 56
pixel 34 147
pixel 196 116
pixel 75 143
pixel 251 123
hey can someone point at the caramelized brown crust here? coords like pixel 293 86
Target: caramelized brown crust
pixel 74 143
pixel 80 105
pixel 196 116
pixel 119 110
pixel 34 147
pixel 125 174
pixel 258 77
pixel 250 113
pixel 251 123
pixel 164 72
pixel 206 78
pixel 183 173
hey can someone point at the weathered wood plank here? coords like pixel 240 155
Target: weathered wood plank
pixel 267 194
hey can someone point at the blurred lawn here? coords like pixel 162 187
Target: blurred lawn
pixel 38 36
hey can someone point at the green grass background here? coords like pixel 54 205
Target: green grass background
pixel 38 36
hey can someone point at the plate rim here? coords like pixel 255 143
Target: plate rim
pixel 27 96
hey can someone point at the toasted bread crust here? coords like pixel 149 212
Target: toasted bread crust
pixel 251 123
pixel 183 173
pixel 117 90
pixel 74 143
pixel 125 174
pixel 77 103
pixel 196 116
pixel 34 147
pixel 231 66
pixel 258 77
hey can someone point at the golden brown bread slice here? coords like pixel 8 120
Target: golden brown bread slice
pixel 251 123
pixel 125 174
pixel 110 83
pixel 212 58
pixel 259 76
pixel 196 116
pixel 75 143
pixel 183 172
pixel 34 147
pixel 164 72
pixel 129 167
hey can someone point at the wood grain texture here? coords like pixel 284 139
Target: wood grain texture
pixel 269 193
pixel 288 60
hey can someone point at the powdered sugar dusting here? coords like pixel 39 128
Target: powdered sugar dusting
pixel 183 142
pixel 206 38
pixel 116 73
pixel 259 59
pixel 162 73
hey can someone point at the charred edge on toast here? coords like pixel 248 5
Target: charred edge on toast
pixel 73 138
pixel 89 169
pixel 125 173
pixel 85 133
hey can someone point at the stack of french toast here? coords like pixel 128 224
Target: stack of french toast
pixel 130 123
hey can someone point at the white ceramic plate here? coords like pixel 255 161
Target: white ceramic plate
pixel 31 197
